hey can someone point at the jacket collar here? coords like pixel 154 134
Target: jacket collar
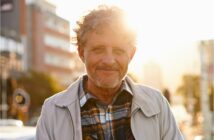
pixel 142 98
pixel 69 95
pixel 85 95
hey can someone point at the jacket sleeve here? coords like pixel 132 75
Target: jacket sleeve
pixel 170 130
pixel 43 125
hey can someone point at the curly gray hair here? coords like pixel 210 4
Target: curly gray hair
pixel 102 17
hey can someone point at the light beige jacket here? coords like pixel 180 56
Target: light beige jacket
pixel 151 117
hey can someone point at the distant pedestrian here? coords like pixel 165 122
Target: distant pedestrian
pixel 167 94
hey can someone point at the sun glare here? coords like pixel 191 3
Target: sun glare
pixel 167 31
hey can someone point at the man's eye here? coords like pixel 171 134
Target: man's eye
pixel 119 51
pixel 97 50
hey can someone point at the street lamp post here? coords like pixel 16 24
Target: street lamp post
pixel 4 106
pixel 206 60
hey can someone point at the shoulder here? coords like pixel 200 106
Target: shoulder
pixel 64 98
pixel 143 91
pixel 149 99
pixel 50 101
pixel 148 95
pixel 147 91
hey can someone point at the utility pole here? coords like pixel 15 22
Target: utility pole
pixel 4 74
pixel 205 60
pixel 4 106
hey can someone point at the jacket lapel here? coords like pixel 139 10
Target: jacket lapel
pixel 142 99
pixel 74 110
pixel 69 99
pixel 144 108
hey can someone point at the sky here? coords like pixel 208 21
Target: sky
pixel 169 32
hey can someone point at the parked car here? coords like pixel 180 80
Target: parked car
pixel 199 137
pixel 10 122
pixel 13 130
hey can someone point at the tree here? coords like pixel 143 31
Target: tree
pixel 39 86
pixel 190 91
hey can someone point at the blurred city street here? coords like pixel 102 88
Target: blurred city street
pixel 175 54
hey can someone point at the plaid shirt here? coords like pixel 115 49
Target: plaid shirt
pixel 106 122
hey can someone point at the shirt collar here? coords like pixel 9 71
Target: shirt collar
pixel 84 95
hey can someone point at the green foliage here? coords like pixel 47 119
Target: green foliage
pixel 190 91
pixel 39 86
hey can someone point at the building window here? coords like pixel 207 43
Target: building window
pixel 57 25
pixel 59 61
pixel 56 42
pixel 11 45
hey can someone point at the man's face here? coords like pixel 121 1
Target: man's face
pixel 106 57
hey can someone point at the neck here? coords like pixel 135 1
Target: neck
pixel 104 95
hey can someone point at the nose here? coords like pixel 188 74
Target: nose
pixel 109 58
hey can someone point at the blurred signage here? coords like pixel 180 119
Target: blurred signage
pixel 6 5
pixel 21 98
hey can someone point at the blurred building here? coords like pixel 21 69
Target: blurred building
pixel 12 35
pixel 152 75
pixel 206 48
pixel 12 46
pixel 49 43
pixel 34 37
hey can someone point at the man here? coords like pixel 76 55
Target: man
pixel 105 104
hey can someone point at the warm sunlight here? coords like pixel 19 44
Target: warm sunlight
pixel 168 32
pixel 67 59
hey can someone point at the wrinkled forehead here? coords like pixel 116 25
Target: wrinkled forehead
pixel 118 30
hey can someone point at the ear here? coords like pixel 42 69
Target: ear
pixel 81 53
pixel 133 50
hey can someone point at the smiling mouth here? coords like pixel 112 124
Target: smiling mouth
pixel 107 71
pixel 108 68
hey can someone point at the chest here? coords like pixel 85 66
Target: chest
pixel 67 125
pixel 110 122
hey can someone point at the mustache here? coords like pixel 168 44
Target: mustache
pixel 108 68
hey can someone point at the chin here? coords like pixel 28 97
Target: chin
pixel 108 84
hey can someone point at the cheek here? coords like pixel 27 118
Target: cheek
pixel 123 60
pixel 90 61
